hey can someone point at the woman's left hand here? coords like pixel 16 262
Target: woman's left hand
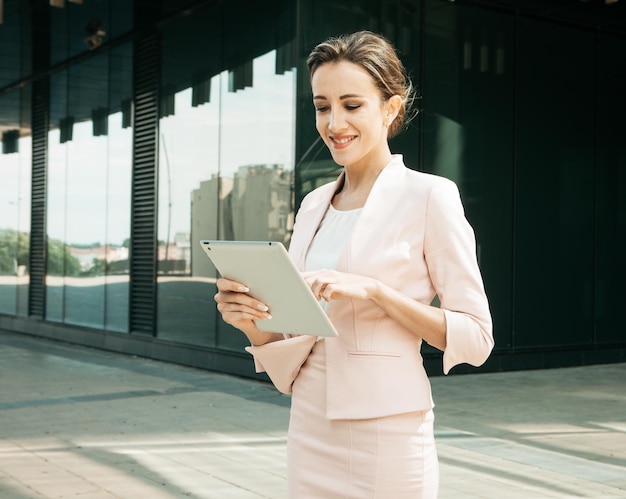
pixel 333 285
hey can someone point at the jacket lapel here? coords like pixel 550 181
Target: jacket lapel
pixel 309 218
pixel 379 207
pixel 379 210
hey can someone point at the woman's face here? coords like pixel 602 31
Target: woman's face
pixel 351 116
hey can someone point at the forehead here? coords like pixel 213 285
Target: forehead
pixel 341 78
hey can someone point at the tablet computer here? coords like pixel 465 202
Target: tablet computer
pixel 265 267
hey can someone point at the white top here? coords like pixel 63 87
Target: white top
pixel 331 237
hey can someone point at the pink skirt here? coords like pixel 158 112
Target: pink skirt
pixel 390 457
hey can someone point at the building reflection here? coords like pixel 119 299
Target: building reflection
pixel 255 204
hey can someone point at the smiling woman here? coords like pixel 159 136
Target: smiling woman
pixel 376 245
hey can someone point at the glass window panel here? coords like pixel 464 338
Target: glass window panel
pixel 23 224
pixel 118 195
pixel 188 202
pixel 468 126
pixel 226 153
pixel 118 190
pixel 611 219
pixel 555 185
pixel 171 6
pixel 260 115
pixel 189 184
pixel 15 56
pixel 85 229
pixel 9 175
pixel 260 204
pixel 89 182
pixel 79 27
pixel 15 183
pixel 56 260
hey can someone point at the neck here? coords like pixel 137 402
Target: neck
pixel 357 184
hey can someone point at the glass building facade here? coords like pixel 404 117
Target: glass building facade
pixel 131 130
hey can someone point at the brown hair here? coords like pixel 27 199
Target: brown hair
pixel 375 54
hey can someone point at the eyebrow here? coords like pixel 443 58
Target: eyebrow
pixel 346 96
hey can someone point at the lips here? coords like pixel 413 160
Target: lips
pixel 343 141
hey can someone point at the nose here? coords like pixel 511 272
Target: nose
pixel 336 120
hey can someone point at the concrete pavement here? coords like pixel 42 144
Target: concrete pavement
pixel 83 423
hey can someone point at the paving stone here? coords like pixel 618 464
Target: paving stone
pixel 81 423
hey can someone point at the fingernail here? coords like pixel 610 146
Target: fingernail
pixel 243 289
pixel 262 308
pixel 269 316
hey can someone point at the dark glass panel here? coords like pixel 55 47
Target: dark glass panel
pixel 611 217
pixel 84 26
pixel 174 6
pixel 15 57
pixel 468 132
pixel 555 183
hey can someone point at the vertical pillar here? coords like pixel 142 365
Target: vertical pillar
pixel 40 113
pixel 143 257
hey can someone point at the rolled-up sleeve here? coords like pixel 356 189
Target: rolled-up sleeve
pixel 282 359
pixel 450 252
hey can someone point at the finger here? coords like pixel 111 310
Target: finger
pixel 239 320
pixel 242 311
pixel 224 284
pixel 328 292
pixel 240 301
pixel 229 290
pixel 317 287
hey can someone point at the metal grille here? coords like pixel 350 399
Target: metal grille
pixel 143 222
pixel 37 263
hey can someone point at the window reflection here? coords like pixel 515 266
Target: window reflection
pixel 82 26
pixel 85 215
pixel 226 172
pixel 257 139
pixel 88 194
pixel 15 159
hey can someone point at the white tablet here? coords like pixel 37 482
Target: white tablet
pixel 265 267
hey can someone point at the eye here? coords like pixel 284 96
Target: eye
pixel 321 109
pixel 352 107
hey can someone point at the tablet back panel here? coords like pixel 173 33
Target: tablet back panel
pixel 265 267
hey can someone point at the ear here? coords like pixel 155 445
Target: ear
pixel 392 108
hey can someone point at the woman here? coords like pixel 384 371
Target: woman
pixel 377 245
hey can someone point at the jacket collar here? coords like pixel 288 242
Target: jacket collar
pixel 380 203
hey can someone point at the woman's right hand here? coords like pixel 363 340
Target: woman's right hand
pixel 238 308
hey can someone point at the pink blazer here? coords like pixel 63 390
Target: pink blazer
pixel 412 235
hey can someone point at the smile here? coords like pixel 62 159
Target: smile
pixel 342 141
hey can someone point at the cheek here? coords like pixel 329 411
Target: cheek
pixel 320 124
